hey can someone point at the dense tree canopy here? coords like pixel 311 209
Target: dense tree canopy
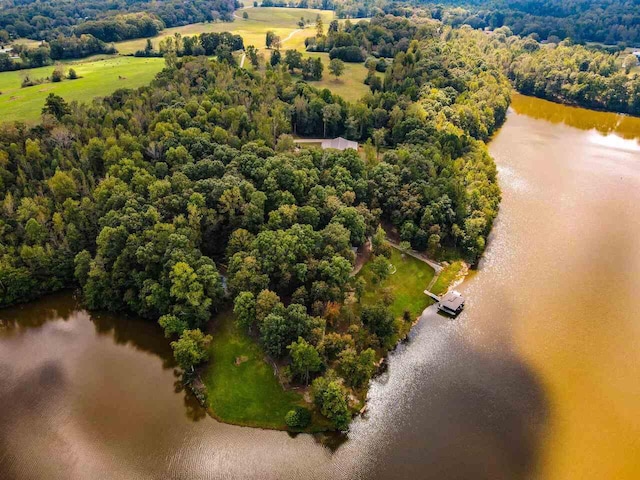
pixel 607 21
pixel 561 72
pixel 144 197
pixel 107 20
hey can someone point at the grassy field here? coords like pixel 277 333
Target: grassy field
pixel 350 85
pixel 283 21
pixel 447 277
pixel 100 77
pixel 407 285
pixel 247 393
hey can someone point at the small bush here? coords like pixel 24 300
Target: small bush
pixel 298 418
pixel 57 75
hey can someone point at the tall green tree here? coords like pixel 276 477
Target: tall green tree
pixel 305 359
pixel 191 349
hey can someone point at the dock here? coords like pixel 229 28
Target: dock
pixel 451 302
pixel 432 295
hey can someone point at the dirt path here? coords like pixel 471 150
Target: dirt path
pixel 243 8
pixel 291 35
pixel 362 258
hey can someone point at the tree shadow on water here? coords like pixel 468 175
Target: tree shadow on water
pixel 471 414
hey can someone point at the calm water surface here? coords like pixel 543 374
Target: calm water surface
pixel 538 378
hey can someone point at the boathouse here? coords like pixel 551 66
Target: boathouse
pixel 451 303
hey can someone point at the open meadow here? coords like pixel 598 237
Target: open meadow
pixel 98 77
pixel 350 85
pixel 101 75
pixel 407 284
pixel 282 21
pixel 241 385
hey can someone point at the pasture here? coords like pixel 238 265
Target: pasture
pixel 100 76
pixel 283 21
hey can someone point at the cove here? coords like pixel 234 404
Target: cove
pixel 537 378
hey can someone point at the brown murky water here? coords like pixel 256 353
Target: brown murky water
pixel 538 378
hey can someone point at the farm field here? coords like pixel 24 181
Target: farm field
pixel 283 21
pixel 99 77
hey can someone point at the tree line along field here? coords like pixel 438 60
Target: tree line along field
pixel 98 77
pixel 102 75
pixel 282 21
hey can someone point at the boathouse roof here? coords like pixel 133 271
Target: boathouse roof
pixel 453 301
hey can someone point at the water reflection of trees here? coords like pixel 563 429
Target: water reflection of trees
pixel 193 410
pixel 606 123
pixel 57 306
pixel 142 335
pixel 470 413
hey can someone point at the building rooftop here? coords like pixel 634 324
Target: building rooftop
pixel 340 144
pixel 453 301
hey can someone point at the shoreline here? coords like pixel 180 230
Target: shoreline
pixel 362 398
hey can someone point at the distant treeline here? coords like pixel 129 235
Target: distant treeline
pixel 343 8
pixel 123 27
pixel 61 48
pixel 563 73
pixel 222 45
pixel 107 20
pixel 606 21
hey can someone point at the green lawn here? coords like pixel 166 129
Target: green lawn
pixel 349 86
pixel 407 284
pixel 100 77
pixel 248 393
pixel 446 277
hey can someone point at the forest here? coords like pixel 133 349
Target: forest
pixel 48 20
pixel 175 199
pixel 61 48
pixel 562 72
pixel 604 21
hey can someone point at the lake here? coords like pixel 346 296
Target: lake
pixel 538 378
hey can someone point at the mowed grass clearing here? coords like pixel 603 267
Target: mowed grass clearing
pixel 350 85
pixel 244 392
pixel 407 284
pixel 100 77
pixel 283 21
pixel 447 276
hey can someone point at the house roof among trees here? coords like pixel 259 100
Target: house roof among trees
pixel 340 144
